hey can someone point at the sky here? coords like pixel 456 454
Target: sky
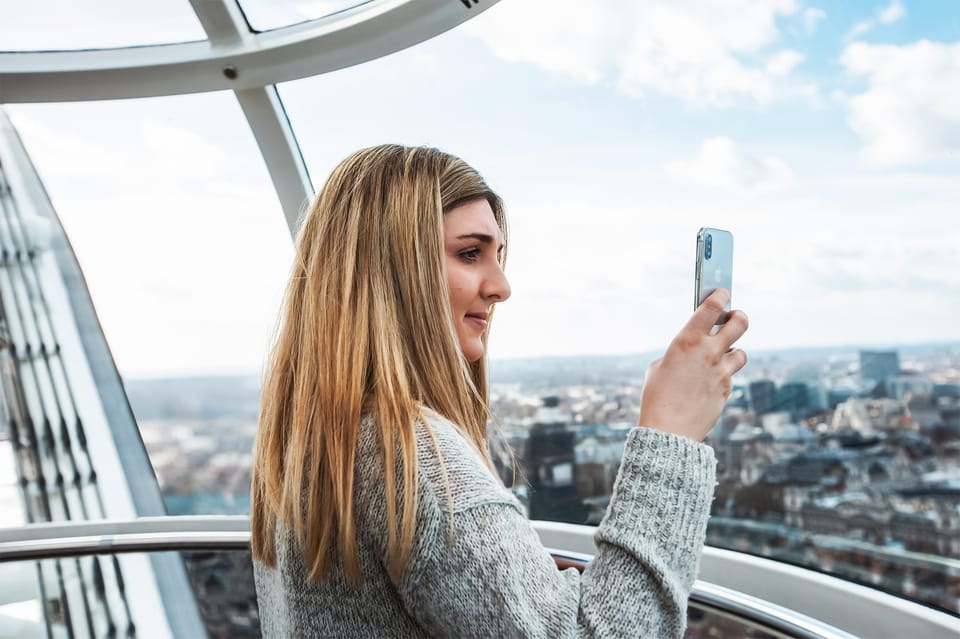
pixel 825 136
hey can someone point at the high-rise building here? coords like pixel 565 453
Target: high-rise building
pixel 550 463
pixel 814 377
pixel 877 366
pixel 763 396
pixel 794 398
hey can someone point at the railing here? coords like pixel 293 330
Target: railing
pixel 72 539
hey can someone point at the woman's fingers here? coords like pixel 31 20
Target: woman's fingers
pixel 707 314
pixel 685 390
pixel 736 326
pixel 735 360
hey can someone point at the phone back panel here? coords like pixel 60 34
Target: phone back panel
pixel 714 264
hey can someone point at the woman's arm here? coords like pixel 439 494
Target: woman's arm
pixel 497 580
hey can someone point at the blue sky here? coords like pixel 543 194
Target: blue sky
pixel 614 130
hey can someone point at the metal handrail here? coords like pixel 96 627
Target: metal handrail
pixel 158 534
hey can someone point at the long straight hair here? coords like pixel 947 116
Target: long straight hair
pixel 366 328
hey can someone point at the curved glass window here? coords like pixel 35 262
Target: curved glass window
pixel 58 25
pixel 264 15
pixel 184 248
pixel 823 139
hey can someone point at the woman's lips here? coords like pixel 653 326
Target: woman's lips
pixel 478 320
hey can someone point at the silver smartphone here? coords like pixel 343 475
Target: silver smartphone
pixel 714 265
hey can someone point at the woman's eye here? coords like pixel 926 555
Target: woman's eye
pixel 470 255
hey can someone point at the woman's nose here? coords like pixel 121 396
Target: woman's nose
pixel 496 286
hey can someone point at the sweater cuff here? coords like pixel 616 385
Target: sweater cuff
pixel 661 498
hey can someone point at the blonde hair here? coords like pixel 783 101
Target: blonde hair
pixel 366 328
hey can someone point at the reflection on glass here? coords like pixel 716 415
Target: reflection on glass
pixel 21 611
pixel 222 583
pixel 57 25
pixel 707 623
pixel 184 248
pixel 120 595
pixel 264 15
pixel 74 596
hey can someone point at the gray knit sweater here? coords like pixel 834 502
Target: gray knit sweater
pixel 496 580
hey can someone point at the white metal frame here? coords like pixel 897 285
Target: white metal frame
pixel 237 58
pixel 226 26
pixel 311 48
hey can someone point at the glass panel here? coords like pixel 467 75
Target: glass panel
pixel 58 25
pixel 136 594
pixel 199 433
pixel 612 145
pixel 704 622
pixel 222 583
pixel 185 250
pixel 11 506
pixel 264 15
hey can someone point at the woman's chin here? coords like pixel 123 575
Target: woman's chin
pixel 472 352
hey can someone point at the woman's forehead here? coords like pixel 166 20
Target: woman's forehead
pixel 471 218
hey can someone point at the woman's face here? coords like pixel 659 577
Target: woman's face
pixel 473 244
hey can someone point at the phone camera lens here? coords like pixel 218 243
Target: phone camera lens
pixel 708 249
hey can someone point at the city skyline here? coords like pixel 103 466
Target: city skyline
pixel 811 478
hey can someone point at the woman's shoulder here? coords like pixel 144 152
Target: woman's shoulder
pixel 471 481
pixel 448 466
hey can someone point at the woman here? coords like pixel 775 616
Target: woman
pixel 376 510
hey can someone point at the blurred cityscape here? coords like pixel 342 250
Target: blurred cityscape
pixel 843 460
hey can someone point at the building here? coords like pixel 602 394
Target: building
pixel 763 396
pixel 794 398
pixel 907 386
pixel 877 366
pixel 549 466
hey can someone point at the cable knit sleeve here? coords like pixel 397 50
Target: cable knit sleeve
pixel 497 580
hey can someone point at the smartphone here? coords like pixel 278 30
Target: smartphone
pixel 714 266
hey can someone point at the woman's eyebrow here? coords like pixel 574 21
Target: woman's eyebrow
pixel 480 237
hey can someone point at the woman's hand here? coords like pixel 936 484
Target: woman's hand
pixel 686 389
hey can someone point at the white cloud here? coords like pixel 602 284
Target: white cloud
pixel 859 29
pixel 886 15
pixel 889 15
pixel 146 198
pixel 706 53
pixel 783 63
pixel 910 111
pixel 721 163
pixel 180 153
pixel 811 16
pixel 164 148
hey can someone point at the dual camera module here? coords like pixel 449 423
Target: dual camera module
pixel 708 247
